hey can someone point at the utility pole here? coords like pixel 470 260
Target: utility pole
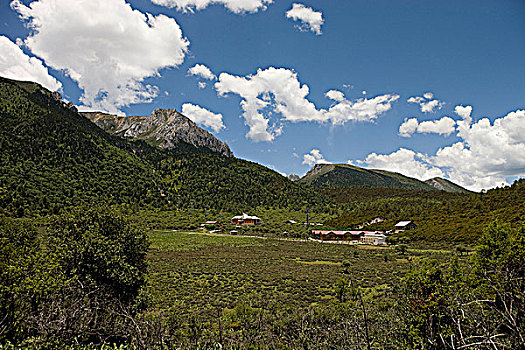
pixel 307 216
pixel 205 214
pixel 192 207
pixel 178 202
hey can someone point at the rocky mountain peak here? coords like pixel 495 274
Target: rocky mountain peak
pixel 164 128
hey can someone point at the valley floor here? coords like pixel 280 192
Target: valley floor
pixel 210 280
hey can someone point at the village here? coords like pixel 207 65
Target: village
pixel 358 236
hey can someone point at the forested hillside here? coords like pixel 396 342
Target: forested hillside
pixel 345 175
pixel 53 158
pixel 229 184
pixel 440 216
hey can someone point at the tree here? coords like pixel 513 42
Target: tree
pixel 500 267
pixel 100 248
pixel 27 275
pixel 79 282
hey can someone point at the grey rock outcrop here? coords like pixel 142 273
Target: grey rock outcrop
pixel 293 177
pixel 165 128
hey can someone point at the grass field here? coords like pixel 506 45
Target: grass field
pixel 195 274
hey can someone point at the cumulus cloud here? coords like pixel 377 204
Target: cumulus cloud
pixel 15 64
pixel 202 116
pixel 308 18
pixel 444 126
pixel 107 47
pixel 426 102
pixel 202 71
pixel 408 127
pixel 487 150
pixel 235 6
pixel 403 161
pixel 487 153
pixel 314 157
pixel 275 92
pixel 335 95
pixel 464 112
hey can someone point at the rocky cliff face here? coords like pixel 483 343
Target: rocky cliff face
pixel 164 128
pixel 317 169
pixel 445 185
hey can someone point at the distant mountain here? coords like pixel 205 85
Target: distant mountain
pixel 165 128
pixel 446 185
pixel 345 175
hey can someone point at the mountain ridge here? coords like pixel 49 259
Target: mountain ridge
pixel 346 175
pixel 164 128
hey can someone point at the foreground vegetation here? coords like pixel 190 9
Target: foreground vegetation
pixel 84 281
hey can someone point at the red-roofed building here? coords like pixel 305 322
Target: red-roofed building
pixel 365 237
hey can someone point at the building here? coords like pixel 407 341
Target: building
pixel 405 225
pixel 245 219
pixel 376 221
pixel 363 237
pixel 375 238
pixel 331 235
pixel 211 224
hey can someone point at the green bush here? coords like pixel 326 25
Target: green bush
pixel 77 283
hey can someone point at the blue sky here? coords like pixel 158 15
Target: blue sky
pixel 374 56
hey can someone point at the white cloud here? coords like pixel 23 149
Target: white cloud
pixel 408 127
pixel 487 150
pixel 403 161
pixel 426 102
pixel 15 64
pixel 444 126
pixel 335 95
pixel 314 157
pixel 362 109
pixel 235 6
pixel 202 116
pixel 464 112
pixel 202 71
pixel 309 19
pixel 105 46
pixel 487 154
pixel 275 92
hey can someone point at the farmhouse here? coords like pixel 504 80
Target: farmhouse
pixel 405 225
pixel 245 219
pixel 363 237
